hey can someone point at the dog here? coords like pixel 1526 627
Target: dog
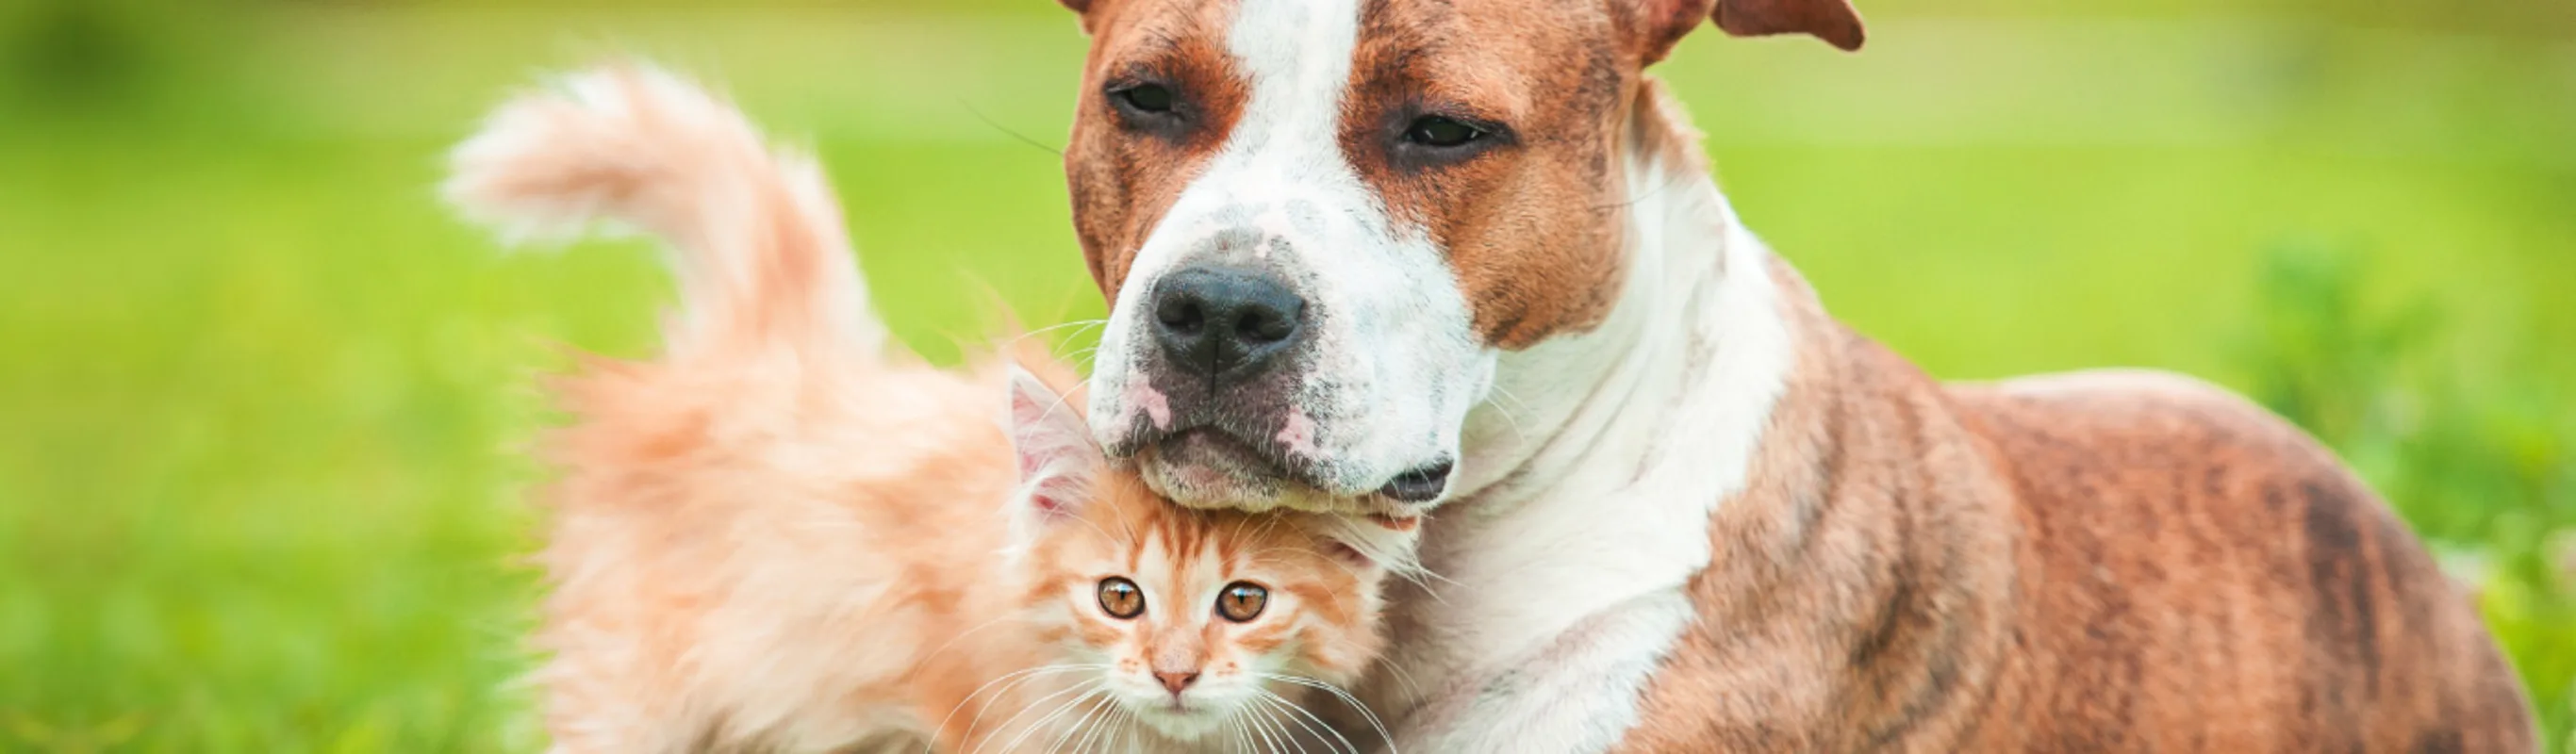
pixel 1464 259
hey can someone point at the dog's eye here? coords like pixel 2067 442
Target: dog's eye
pixel 1437 131
pixel 1120 598
pixel 1242 601
pixel 1151 99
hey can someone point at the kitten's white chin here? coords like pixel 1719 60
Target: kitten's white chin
pixel 1196 719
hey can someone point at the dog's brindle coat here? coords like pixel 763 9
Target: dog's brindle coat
pixel 2127 562
pixel 1691 512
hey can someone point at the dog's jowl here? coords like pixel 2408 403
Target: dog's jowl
pixel 1464 258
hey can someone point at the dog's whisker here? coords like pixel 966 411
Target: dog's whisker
pixel 1510 414
pixel 1079 323
pixel 997 126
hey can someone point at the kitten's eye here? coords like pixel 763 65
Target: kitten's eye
pixel 1120 598
pixel 1440 132
pixel 1153 99
pixel 1242 601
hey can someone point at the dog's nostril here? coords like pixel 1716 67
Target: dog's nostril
pixel 1259 327
pixel 1181 315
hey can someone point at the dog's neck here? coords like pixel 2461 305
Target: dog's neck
pixel 1618 442
pixel 1695 326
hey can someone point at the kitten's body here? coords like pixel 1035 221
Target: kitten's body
pixel 774 537
pixel 759 547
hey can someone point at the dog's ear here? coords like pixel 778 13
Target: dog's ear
pixel 1834 21
pixel 1663 23
pixel 1084 8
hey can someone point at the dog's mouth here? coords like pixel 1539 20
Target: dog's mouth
pixel 1421 484
pixel 1207 458
pixel 1210 467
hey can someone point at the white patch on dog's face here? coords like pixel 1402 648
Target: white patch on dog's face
pixel 1387 363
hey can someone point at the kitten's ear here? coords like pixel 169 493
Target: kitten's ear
pixel 1057 458
pixel 1376 542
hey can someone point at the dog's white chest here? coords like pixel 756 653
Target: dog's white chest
pixel 1552 605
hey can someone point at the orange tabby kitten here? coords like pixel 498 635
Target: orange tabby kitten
pixel 774 537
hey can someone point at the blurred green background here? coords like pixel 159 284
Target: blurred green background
pixel 263 399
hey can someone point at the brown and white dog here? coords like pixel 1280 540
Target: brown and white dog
pixel 1463 256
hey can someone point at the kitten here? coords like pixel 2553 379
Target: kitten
pixel 775 537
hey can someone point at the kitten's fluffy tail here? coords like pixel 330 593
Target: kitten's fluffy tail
pixel 756 234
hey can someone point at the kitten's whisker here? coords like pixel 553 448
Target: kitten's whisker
pixel 1077 727
pixel 952 641
pixel 1281 704
pixel 1064 400
pixel 1413 687
pixel 1422 576
pixel 1347 698
pixel 1235 533
pixel 1071 729
pixel 977 721
pixel 1254 739
pixel 1241 731
pixel 1269 523
pixel 1095 687
pixel 1122 720
pixel 1435 576
pixel 1326 729
pixel 1336 563
pixel 1104 533
pixel 1263 722
pixel 1126 734
pixel 1041 721
pixel 1081 727
pixel 1257 554
pixel 1128 525
pixel 1286 736
pixel 1013 678
pixel 1117 717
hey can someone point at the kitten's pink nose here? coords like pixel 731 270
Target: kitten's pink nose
pixel 1177 681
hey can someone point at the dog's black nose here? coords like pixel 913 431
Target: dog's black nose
pixel 1224 324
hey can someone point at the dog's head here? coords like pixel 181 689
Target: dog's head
pixel 1320 221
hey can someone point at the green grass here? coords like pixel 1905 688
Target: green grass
pixel 260 488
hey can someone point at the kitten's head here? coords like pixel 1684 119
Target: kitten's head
pixel 1194 616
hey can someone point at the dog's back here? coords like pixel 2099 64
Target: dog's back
pixel 2109 561
pixel 2199 575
